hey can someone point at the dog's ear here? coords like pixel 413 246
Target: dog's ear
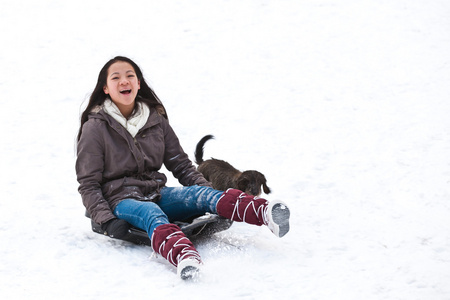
pixel 266 189
pixel 242 183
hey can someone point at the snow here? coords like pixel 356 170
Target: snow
pixel 343 105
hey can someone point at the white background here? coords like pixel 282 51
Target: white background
pixel 343 105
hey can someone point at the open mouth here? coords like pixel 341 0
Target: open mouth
pixel 126 92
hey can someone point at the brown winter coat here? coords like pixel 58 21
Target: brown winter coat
pixel 112 165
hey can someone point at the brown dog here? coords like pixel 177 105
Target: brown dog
pixel 223 176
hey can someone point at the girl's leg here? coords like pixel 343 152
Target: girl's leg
pixel 240 207
pixel 144 215
pixel 166 239
pixel 183 203
pixel 170 242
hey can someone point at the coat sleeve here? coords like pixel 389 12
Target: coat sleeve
pixel 89 168
pixel 178 162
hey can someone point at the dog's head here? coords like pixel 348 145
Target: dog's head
pixel 251 182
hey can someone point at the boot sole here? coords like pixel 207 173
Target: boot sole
pixel 189 273
pixel 189 269
pixel 280 217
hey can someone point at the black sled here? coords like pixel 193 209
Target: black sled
pixel 205 225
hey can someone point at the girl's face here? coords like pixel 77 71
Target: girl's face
pixel 122 86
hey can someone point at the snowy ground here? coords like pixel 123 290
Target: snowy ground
pixel 344 105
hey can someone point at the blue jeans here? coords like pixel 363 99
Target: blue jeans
pixel 176 204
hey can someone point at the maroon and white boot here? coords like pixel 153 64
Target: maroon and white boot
pixel 171 243
pixel 240 207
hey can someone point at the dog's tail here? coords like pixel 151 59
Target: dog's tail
pixel 199 149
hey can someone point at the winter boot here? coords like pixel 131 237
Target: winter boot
pixel 240 207
pixel 170 242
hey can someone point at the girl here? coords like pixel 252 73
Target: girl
pixel 123 141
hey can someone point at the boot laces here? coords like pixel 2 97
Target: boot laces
pixel 185 251
pixel 260 211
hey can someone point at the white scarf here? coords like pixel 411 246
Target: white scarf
pixel 137 120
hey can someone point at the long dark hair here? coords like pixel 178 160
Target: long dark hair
pixel 98 96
